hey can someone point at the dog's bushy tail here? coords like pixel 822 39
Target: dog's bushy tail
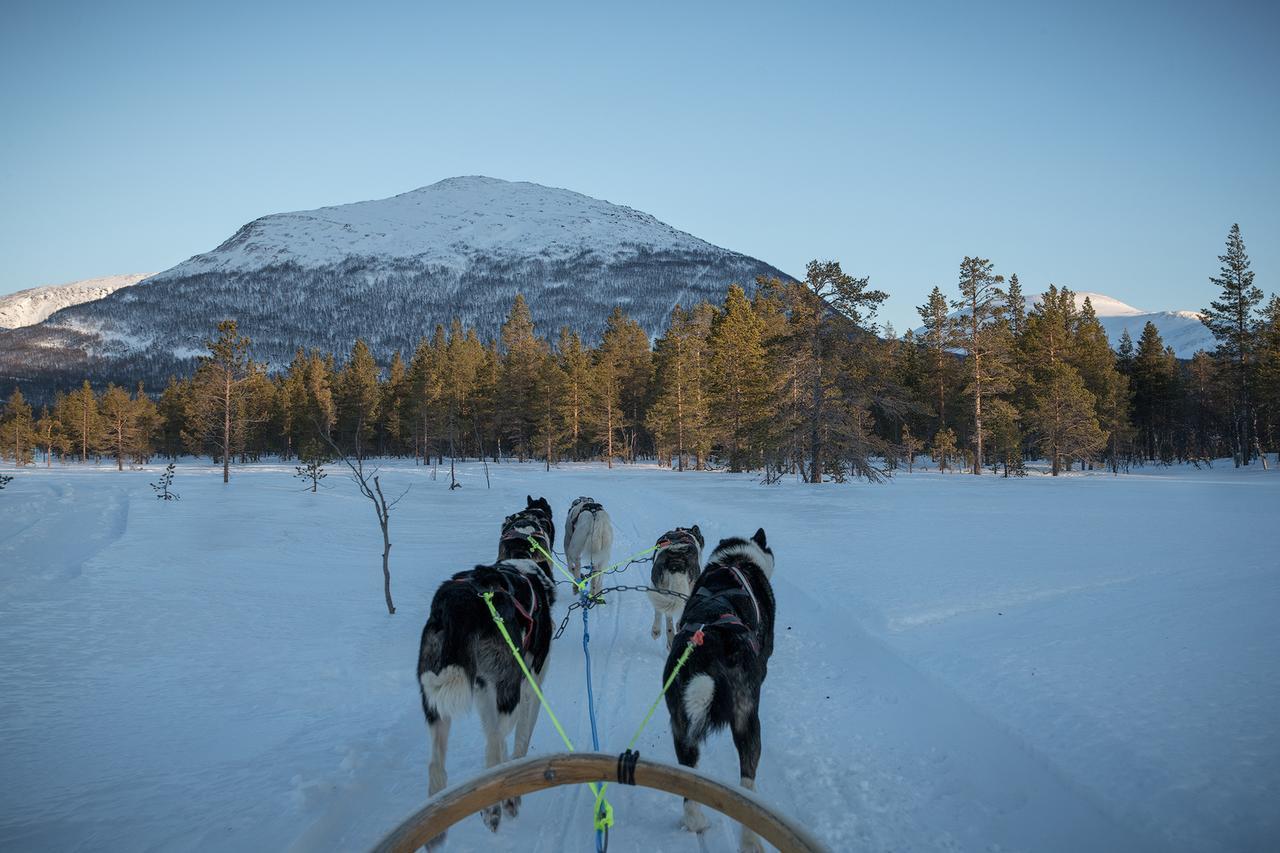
pixel 696 697
pixel 445 664
pixel 601 541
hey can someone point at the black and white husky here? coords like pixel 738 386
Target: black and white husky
pixel 463 660
pixel 675 568
pixel 534 520
pixel 588 533
pixel 731 610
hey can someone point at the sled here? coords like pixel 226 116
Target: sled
pixel 518 778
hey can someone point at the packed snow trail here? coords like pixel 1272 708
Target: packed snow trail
pixel 960 663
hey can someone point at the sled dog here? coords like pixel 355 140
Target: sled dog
pixel 534 520
pixel 731 610
pixel 676 565
pixel 588 533
pixel 464 662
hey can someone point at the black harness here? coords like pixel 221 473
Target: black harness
pixel 510 586
pixel 679 537
pixel 721 600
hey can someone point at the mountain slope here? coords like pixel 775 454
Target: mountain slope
pixel 389 271
pixel 31 306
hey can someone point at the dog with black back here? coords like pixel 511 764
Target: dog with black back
pixel 464 662
pixel 729 617
pixel 676 566
pixel 532 521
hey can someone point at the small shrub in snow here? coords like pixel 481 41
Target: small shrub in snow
pixel 4 480
pixel 163 485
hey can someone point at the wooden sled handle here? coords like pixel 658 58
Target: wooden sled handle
pixel 517 778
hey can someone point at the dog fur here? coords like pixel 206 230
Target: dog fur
pixel 463 661
pixel 676 566
pixel 732 604
pixel 588 532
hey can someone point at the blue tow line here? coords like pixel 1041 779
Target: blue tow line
pixel 601 842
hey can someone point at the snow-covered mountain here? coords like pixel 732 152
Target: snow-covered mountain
pixel 389 271
pixel 31 306
pixel 1181 330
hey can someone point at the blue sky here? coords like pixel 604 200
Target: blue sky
pixel 1098 146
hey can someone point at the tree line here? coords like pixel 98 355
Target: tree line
pixel 796 379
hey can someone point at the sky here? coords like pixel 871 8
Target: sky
pixel 1105 147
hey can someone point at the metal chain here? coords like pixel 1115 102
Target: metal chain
pixel 592 602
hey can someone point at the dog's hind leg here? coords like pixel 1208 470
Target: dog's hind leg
pixel 497 726
pixel 671 633
pixel 657 623
pixel 746 737
pixel 694 819
pixel 526 716
pixel 438 726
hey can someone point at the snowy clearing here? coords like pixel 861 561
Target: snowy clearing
pixel 1086 663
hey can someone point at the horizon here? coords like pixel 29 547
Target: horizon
pixel 1098 131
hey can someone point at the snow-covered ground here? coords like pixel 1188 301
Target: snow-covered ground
pixel 1082 663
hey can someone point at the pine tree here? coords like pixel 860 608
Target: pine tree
pixel 827 288
pixel 357 397
pixel 18 428
pixel 1124 354
pixel 735 373
pixel 391 405
pixel 49 435
pixel 1017 305
pixel 626 346
pixel 1063 419
pixel 1093 358
pixel 81 419
pixel 943 447
pixel 575 363
pixel 522 356
pixel 986 347
pixel 1154 385
pixel 1267 378
pixel 1231 319
pixel 123 432
pixel 937 341
pixel 217 412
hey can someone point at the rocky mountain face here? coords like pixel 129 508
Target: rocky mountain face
pixel 388 271
pixel 35 304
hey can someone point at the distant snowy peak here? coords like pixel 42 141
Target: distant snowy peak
pixel 1103 305
pixel 1181 330
pixel 446 224
pixel 35 304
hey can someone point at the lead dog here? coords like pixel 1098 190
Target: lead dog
pixel 731 610
pixel 534 521
pixel 588 532
pixel 675 569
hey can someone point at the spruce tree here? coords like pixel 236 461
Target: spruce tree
pixel 121 419
pixel 49 435
pixel 1231 319
pixel 217 411
pixel 522 357
pixel 575 364
pixel 1154 383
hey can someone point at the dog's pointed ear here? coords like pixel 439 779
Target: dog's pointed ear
pixel 529 500
pixel 759 538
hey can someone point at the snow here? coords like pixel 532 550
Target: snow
pixel 446 224
pixel 1081 663
pixel 34 305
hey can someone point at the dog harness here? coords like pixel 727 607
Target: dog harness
pixel 525 613
pixel 679 536
pixel 729 618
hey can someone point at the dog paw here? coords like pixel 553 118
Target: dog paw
pixel 694 819
pixel 655 633
pixel 511 806
pixel 492 816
